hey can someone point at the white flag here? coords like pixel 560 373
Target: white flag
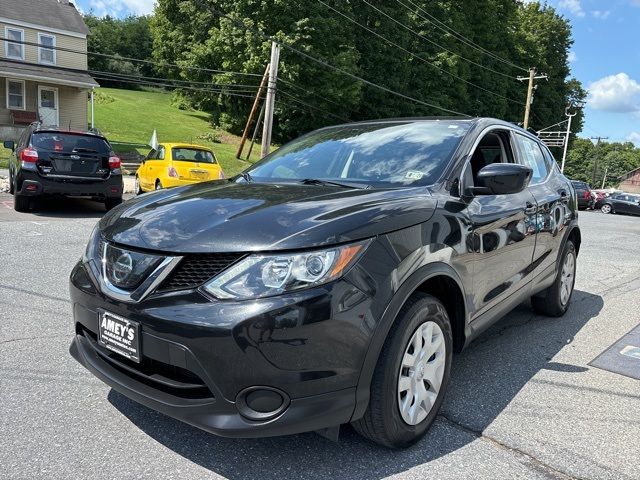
pixel 153 143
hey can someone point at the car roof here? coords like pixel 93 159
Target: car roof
pixel 480 122
pixel 184 145
pixel 39 128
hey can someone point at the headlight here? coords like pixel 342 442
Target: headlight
pixel 92 252
pixel 265 275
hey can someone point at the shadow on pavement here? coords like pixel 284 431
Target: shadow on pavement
pixel 66 207
pixel 485 379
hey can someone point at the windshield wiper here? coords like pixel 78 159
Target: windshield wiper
pixel 84 150
pixel 317 181
pixel 246 176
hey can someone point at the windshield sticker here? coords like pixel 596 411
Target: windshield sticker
pixel 414 175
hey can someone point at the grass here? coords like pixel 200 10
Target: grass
pixel 130 116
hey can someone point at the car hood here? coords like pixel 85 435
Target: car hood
pixel 237 217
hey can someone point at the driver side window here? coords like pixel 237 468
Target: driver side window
pixel 493 148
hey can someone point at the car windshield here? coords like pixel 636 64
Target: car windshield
pixel 69 143
pixel 192 155
pixel 378 155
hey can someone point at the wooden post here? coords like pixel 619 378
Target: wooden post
pixel 255 131
pixel 254 107
pixel 270 100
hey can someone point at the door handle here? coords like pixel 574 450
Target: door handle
pixel 530 209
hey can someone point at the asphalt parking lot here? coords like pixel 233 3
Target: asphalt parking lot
pixel 523 401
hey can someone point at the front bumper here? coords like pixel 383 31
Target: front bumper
pixel 198 355
pixel 34 184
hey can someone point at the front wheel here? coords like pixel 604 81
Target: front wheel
pixel 606 208
pixel 554 301
pixel 158 185
pixel 137 187
pixel 411 376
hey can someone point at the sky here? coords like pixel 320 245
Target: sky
pixel 605 58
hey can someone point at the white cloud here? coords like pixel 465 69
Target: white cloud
pixel 615 93
pixel 601 14
pixel 573 6
pixel 120 7
pixel 572 57
pixel 635 138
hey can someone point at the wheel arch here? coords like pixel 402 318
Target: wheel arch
pixel 439 280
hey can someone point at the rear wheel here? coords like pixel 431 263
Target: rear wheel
pixel 158 185
pixel 110 203
pixel 411 376
pixel 606 208
pixel 21 203
pixel 554 301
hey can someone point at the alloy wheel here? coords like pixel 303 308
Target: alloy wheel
pixel 567 277
pixel 606 208
pixel 137 185
pixel 421 372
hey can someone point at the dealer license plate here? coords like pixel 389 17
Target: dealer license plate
pixel 119 335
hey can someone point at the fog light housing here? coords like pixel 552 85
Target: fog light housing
pixel 261 403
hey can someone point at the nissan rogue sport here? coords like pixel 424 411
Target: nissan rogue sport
pixel 329 283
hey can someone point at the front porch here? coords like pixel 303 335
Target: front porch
pixel 34 93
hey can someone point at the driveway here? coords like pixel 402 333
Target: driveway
pixel 523 401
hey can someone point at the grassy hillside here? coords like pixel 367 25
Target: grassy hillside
pixel 130 116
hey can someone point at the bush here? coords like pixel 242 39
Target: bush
pixel 213 137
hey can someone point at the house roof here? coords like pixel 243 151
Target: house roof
pixel 629 174
pixel 56 14
pixel 31 71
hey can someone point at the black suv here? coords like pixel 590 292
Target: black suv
pixel 329 283
pixel 52 161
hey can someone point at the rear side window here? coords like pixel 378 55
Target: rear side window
pixel 192 155
pixel 69 143
pixel 531 155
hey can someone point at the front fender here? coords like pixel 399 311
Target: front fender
pixel 388 317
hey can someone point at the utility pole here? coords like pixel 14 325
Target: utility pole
pixel 604 179
pixel 531 78
pixel 595 160
pixel 270 100
pixel 566 140
pixel 254 107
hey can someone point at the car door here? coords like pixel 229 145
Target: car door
pixel 624 204
pixel 503 229
pixel 551 191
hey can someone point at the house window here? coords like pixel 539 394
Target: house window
pixel 46 50
pixel 15 94
pixel 14 50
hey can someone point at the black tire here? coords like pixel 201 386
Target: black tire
pixel 111 203
pixel 548 302
pixel 21 203
pixel 12 187
pixel 138 189
pixel 382 423
pixel 159 185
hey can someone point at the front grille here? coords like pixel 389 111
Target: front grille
pixel 195 269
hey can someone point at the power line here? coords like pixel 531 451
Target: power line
pixel 297 100
pixel 445 28
pixel 453 75
pixel 240 24
pixel 431 41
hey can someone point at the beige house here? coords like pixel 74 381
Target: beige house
pixel 43 65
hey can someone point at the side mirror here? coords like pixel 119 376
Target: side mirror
pixel 502 179
pixel 10 145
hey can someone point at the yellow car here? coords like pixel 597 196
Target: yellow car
pixel 176 164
